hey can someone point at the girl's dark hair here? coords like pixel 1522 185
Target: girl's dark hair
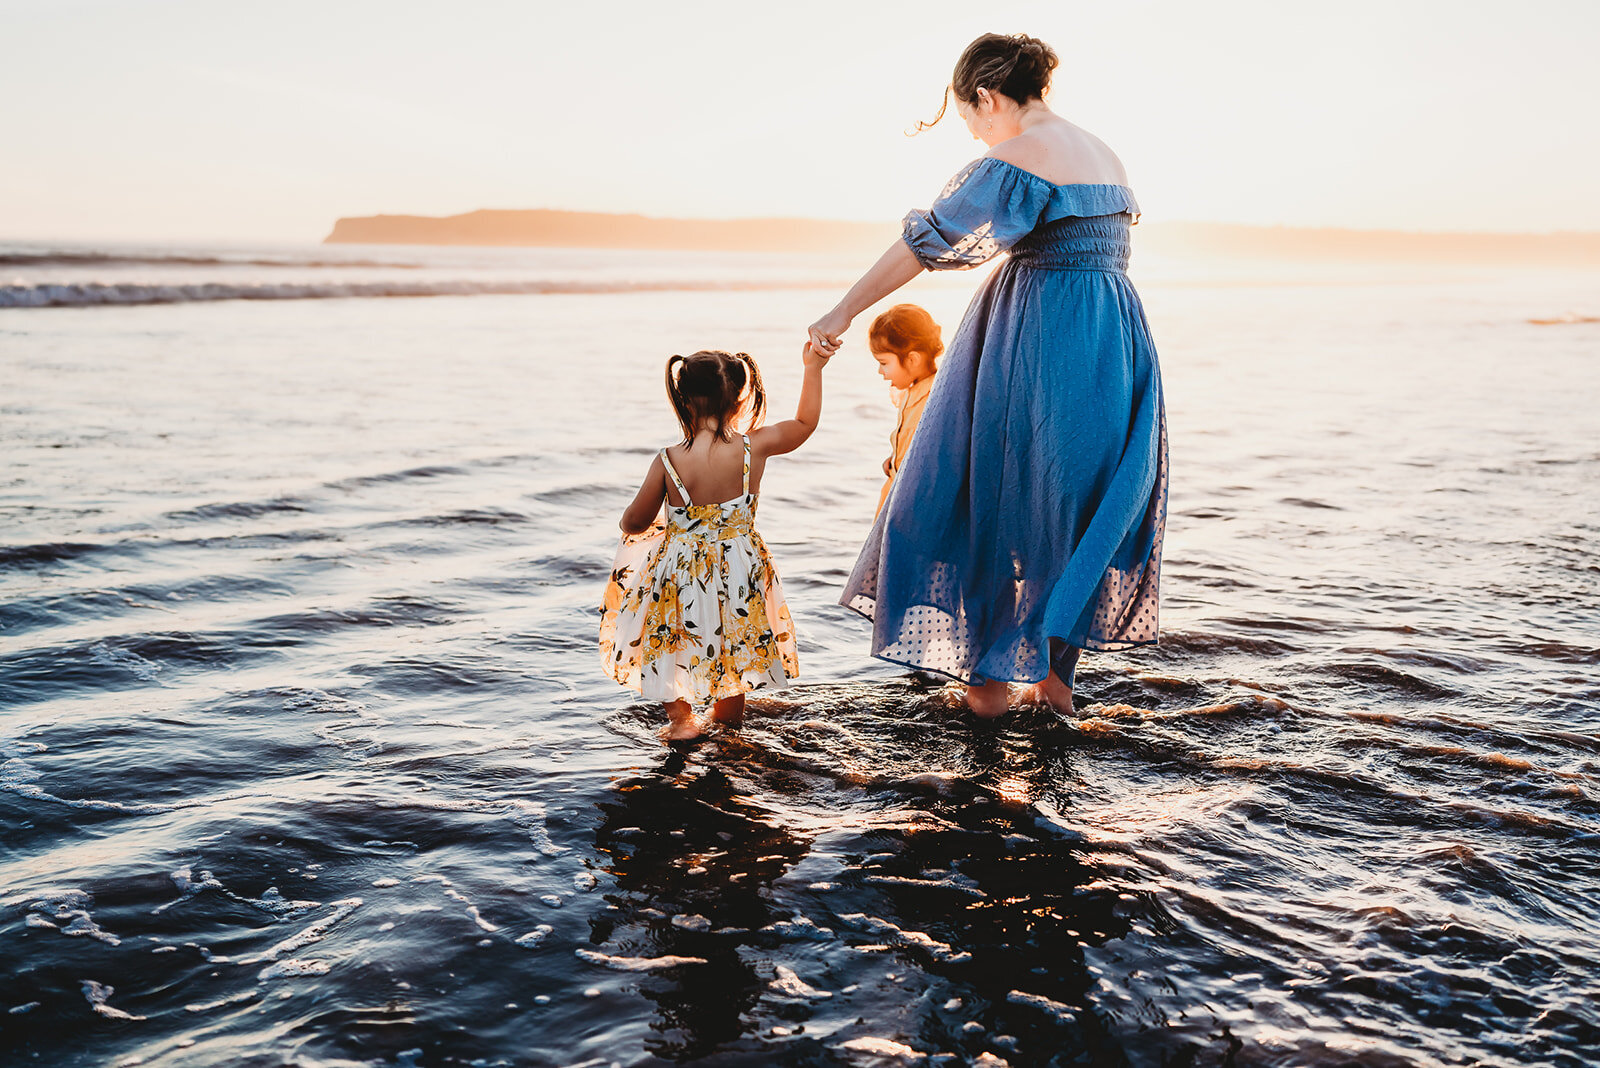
pixel 710 386
pixel 905 328
pixel 1014 64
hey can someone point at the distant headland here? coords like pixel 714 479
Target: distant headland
pixel 584 229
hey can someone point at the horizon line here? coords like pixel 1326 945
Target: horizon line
pixel 263 238
pixel 838 220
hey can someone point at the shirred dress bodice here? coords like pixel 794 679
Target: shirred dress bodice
pixel 1098 243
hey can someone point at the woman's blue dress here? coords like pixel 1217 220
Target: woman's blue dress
pixel 1032 503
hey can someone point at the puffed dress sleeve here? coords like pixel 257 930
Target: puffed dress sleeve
pixel 984 210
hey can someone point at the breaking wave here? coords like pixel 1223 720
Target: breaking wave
pixel 65 258
pixel 96 294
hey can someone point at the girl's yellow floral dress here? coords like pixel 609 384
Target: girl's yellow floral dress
pixel 694 610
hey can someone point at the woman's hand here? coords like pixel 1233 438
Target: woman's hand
pixel 827 332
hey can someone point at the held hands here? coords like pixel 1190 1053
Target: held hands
pixel 827 332
pixel 812 358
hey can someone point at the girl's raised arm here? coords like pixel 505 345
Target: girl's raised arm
pixel 790 434
pixel 647 504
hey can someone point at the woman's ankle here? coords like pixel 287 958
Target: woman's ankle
pixel 990 700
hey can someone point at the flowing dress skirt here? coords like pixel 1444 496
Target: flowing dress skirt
pixel 1033 500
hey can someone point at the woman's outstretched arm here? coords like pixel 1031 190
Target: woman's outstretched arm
pixel 894 268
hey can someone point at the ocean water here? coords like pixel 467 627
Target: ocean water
pixel 306 756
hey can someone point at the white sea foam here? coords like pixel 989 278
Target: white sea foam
pixel 958 884
pixel 233 999
pixel 635 964
pixel 97 994
pixel 531 816
pixel 787 984
pixel 801 928
pixel 884 1048
pixel 104 653
pixel 316 932
pixel 455 895
pixel 317 701
pixel 293 968
pixel 887 931
pixel 82 925
pixel 67 911
pixel 533 938
pixel 271 900
pixel 1061 1013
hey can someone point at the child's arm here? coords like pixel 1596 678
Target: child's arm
pixel 790 434
pixel 647 505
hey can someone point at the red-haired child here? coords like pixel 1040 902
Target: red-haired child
pixel 906 343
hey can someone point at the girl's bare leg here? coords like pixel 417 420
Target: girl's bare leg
pixel 729 712
pixel 681 724
pixel 989 700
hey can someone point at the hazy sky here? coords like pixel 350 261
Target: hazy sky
pixel 218 119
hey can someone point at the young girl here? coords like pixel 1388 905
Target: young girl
pixel 905 341
pixel 693 611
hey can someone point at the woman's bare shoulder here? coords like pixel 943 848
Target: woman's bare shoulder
pixel 1062 153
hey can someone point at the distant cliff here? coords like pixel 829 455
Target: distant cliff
pixel 586 229
pixel 583 229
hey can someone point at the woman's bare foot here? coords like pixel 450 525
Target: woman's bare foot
pixel 989 700
pixel 1053 692
pixel 729 712
pixel 682 726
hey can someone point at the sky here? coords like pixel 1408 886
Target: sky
pixel 185 120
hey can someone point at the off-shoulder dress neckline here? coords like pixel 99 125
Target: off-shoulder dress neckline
pixel 1055 185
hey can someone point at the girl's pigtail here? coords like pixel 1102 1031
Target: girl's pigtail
pixel 758 393
pixel 679 405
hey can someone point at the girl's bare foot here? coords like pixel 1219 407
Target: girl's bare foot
pixel 989 700
pixel 682 726
pixel 1053 692
pixel 729 712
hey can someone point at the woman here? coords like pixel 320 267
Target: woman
pixel 1026 523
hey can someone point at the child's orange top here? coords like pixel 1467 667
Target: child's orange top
pixel 912 401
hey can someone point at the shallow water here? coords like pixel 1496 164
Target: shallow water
pixel 307 757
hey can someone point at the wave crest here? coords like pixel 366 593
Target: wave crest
pixel 96 294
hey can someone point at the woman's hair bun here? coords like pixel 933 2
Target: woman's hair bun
pixel 1014 64
pixel 1011 63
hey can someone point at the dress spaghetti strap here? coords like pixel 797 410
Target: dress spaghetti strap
pixel 676 481
pixel 746 438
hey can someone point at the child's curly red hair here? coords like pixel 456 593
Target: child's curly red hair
pixel 906 328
